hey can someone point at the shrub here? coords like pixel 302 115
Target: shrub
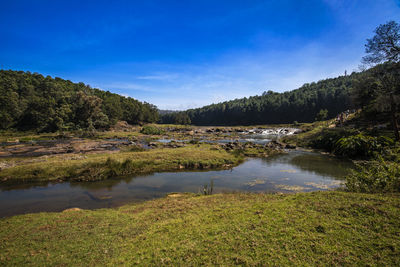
pixel 327 138
pixel 208 190
pixel 374 177
pixel 149 129
pixel 360 145
pixel 356 146
pixel 322 115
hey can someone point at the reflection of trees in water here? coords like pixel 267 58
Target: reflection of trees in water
pixel 278 158
pixel 94 185
pixel 108 183
pixel 322 165
pixel 312 162
pixel 21 185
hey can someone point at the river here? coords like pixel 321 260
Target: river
pixel 296 171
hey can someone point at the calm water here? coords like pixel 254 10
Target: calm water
pixel 292 172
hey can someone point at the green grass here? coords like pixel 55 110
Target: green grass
pixel 320 228
pixel 103 166
pixel 257 151
pixel 310 131
pixel 117 134
pixel 8 136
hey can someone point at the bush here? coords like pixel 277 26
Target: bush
pixel 360 145
pixel 356 146
pixel 322 115
pixel 374 177
pixel 328 138
pixel 148 129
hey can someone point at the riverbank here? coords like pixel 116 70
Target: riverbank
pixel 100 166
pixel 320 228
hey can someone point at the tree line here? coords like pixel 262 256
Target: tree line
pixel 30 101
pixel 327 97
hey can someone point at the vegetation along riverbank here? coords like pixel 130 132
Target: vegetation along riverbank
pixel 99 166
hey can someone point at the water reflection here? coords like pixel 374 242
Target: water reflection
pixel 322 165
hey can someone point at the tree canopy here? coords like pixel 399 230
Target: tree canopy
pixel 30 101
pixel 175 118
pixel 384 46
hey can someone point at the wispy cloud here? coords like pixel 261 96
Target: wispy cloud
pixel 158 77
pixel 128 87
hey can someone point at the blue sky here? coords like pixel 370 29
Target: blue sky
pixel 184 54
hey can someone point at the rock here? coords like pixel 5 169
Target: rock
pixel 5 165
pixel 289 146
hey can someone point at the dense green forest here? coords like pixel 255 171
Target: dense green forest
pixel 30 101
pixel 303 105
pixel 174 117
pixel 313 101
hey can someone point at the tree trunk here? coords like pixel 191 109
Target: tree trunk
pixel 394 118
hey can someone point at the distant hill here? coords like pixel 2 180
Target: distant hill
pixel 329 97
pixel 30 101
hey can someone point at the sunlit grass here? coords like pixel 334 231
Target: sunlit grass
pixel 320 228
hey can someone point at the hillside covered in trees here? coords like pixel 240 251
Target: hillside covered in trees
pixel 30 101
pixel 325 98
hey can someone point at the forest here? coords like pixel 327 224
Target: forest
pixel 311 102
pixel 321 100
pixel 30 101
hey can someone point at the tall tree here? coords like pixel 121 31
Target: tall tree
pixel 384 47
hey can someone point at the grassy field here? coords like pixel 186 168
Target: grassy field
pixel 102 166
pixel 320 228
